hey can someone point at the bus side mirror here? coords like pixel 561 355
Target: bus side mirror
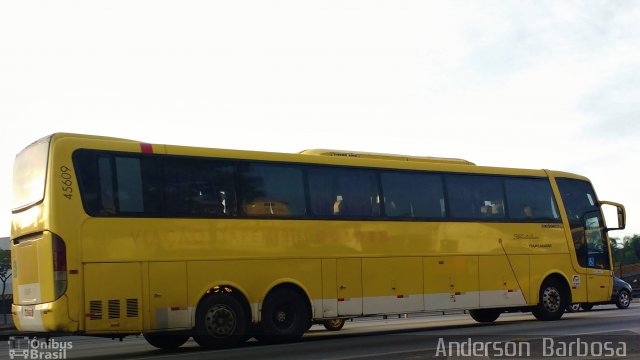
pixel 620 214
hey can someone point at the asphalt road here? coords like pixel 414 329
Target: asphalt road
pixel 595 334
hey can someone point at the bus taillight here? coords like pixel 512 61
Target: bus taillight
pixel 59 266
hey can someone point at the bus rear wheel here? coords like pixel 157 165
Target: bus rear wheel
pixel 221 322
pixel 166 341
pixel 285 316
pixel 552 301
pixel 484 315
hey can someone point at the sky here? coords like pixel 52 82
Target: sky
pixel 527 84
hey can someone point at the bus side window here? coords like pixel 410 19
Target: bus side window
pixel 530 199
pixel 343 192
pixel 108 205
pixel 129 183
pixel 475 196
pixel 272 190
pixel 195 187
pixel 413 195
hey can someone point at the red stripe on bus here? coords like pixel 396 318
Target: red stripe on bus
pixel 146 148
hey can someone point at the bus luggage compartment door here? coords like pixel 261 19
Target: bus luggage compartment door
pixel 168 295
pixel 349 275
pixel 113 293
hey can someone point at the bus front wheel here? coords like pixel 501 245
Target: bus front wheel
pixel 484 315
pixel 552 301
pixel 285 316
pixel 221 322
pixel 165 341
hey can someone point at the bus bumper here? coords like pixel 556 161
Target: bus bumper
pixel 52 316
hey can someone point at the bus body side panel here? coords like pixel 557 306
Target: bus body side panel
pixel 343 272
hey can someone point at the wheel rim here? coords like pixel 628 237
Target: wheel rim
pixel 551 299
pixel 575 307
pixel 284 316
pixel 335 322
pixel 220 321
pixel 624 299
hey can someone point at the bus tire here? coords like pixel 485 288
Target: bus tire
pixel 552 301
pixel 485 315
pixel 333 324
pixel 221 322
pixel 285 316
pixel 165 341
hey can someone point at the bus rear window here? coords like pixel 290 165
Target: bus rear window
pixel 29 174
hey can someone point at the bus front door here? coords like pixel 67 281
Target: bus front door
pixel 599 279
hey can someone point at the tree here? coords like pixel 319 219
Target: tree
pixel 5 274
pixel 626 251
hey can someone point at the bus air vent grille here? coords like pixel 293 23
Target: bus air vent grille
pixel 95 310
pixel 114 309
pixel 132 308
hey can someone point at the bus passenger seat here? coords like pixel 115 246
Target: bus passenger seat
pixel 337 205
pixel 485 210
pixel 528 212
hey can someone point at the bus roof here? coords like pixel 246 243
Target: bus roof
pixel 313 156
pixel 378 156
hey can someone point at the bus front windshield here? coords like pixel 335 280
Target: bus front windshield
pixel 587 225
pixel 29 174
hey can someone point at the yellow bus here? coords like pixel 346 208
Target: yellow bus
pixel 112 237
